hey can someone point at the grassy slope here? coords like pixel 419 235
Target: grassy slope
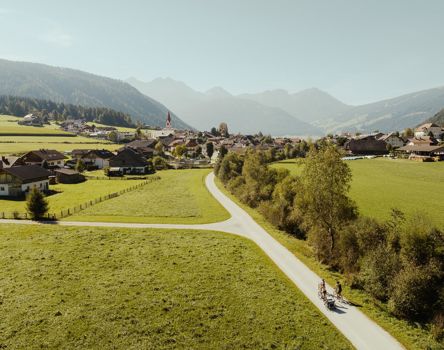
pixel 70 195
pixel 179 197
pixel 408 334
pixel 78 288
pixel 381 184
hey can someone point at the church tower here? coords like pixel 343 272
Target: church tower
pixel 168 121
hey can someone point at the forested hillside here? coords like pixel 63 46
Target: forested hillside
pixel 438 118
pixel 63 85
pixel 20 106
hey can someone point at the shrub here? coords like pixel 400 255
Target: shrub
pixel 160 163
pixel 378 269
pixel 415 292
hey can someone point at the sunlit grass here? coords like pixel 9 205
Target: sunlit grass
pixel 97 288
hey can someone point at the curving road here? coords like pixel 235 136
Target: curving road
pixel 362 332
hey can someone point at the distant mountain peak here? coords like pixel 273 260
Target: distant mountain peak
pixel 218 92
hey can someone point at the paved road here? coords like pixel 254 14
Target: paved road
pixel 362 332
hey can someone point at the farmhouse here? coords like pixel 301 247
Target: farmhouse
pixel 393 140
pixel 49 158
pixel 424 152
pixel 367 144
pixel 429 129
pixel 97 158
pixel 18 180
pixel 145 147
pixel 128 161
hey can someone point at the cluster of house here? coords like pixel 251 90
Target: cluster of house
pixel 31 120
pixel 424 145
pixel 39 168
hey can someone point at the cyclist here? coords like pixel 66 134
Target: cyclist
pixel 338 290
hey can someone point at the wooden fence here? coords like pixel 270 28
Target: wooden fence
pixel 73 210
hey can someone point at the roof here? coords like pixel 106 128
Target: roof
pixel 100 153
pixel 66 171
pixel 128 158
pixel 142 143
pixel 27 172
pixel 9 161
pixel 48 154
pixel 422 148
pixel 427 126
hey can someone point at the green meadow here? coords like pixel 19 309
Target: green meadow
pixel 16 139
pixel 180 196
pixel 67 196
pixel 411 335
pixel 381 184
pixel 107 288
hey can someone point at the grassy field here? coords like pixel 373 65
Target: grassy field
pixel 8 125
pixel 381 184
pixel 49 136
pixel 411 335
pixel 70 195
pixel 119 128
pixel 179 197
pixel 84 288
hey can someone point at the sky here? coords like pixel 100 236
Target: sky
pixel 358 51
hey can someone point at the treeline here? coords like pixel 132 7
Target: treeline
pixel 21 106
pixel 400 261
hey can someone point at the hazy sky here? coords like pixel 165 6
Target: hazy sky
pixel 359 51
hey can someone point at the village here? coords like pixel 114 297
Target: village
pixel 145 150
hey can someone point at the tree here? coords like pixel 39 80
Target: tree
pixel 408 132
pixel 80 166
pixel 159 148
pixel 222 152
pixel 112 136
pixel 214 131
pixel 36 204
pixel 209 149
pixel 179 151
pixel 323 205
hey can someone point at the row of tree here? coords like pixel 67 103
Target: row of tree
pixel 21 106
pixel 400 261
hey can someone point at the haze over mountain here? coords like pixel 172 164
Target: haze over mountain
pixel 81 88
pixel 208 109
pixel 272 110
pixel 391 114
pixel 310 105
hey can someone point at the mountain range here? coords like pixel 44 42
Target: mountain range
pixel 63 85
pixel 308 112
pixel 208 109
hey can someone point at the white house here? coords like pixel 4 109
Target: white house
pixel 393 140
pixel 18 180
pixel 426 129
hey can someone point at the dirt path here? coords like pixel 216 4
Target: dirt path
pixel 362 332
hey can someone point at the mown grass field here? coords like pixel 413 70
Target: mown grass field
pixel 381 184
pixel 97 288
pixel 8 124
pixel 71 195
pixel 119 128
pixel 49 136
pixel 409 334
pixel 179 197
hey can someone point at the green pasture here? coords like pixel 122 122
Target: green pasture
pixel 119 128
pixel 411 335
pixel 67 196
pixel 381 184
pixel 8 125
pixel 97 288
pixel 180 196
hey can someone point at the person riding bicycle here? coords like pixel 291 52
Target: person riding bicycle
pixel 338 290
pixel 323 290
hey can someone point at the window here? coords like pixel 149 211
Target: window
pixel 2 188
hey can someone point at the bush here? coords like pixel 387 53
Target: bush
pixel 378 270
pixel 415 292
pixel 160 163
pixel 36 204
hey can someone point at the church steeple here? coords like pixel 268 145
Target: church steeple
pixel 168 121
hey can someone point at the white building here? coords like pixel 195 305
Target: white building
pixel 426 129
